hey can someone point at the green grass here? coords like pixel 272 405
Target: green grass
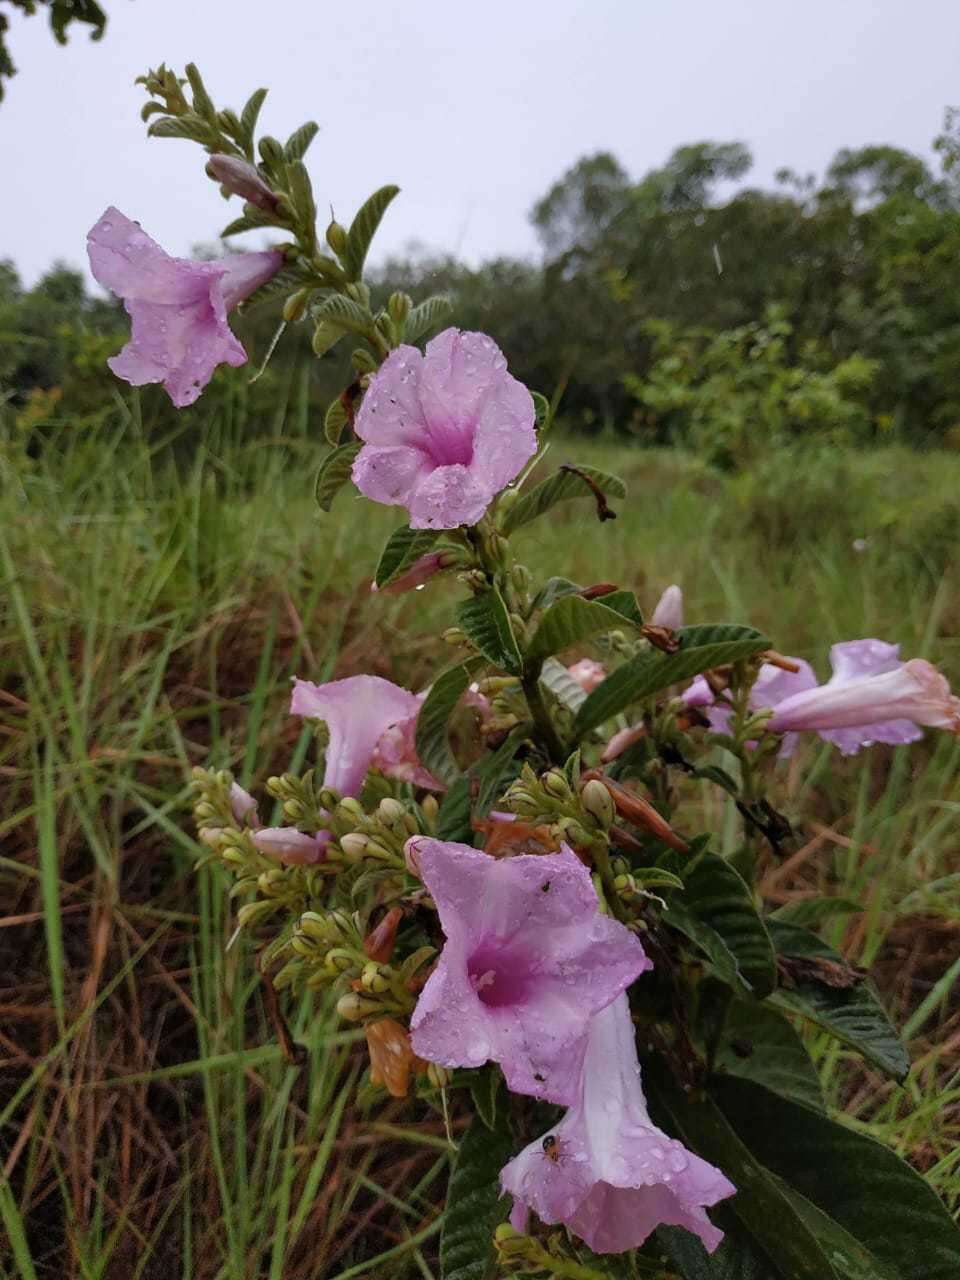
pixel 152 617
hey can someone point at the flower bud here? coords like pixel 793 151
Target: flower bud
pixel 251 912
pixel 352 1007
pixel 337 238
pixel 241 179
pixel 555 784
pixel 411 856
pixel 204 810
pixel 520 575
pixel 271 151
pixel 454 635
pixel 398 305
pixel 430 808
pixel 363 361
pixel 293 810
pixel 340 959
pixel 391 811
pixel 504 1232
pixel 296 305
pixel 598 802
pixel 438 1076
pixel 314 926
pixel 354 846
pixel 378 944
pixel 372 980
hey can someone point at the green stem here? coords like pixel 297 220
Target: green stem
pixel 546 729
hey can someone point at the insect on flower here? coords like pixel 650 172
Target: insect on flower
pixel 551 1149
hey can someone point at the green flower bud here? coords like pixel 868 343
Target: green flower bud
pixel 315 926
pixel 354 846
pixel 555 784
pixel 454 635
pixel 598 802
pixel 295 306
pixel 351 809
pixel 352 1007
pixel 337 238
pixel 391 811
pixel 293 810
pixel 521 577
pixel 340 959
pixel 399 305
pixel 438 1076
pixel 373 980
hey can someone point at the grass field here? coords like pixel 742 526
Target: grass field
pixel 152 616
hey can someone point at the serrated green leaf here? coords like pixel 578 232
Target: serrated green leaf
pixel 570 621
pixel 558 488
pixel 701 648
pixel 718 913
pixel 334 421
pixel 855 1180
pixel 325 338
pixel 345 313
pixel 760 1204
pixel 251 113
pixel 851 1014
pixel 430 314
pixel 295 147
pixel 364 227
pixel 555 676
pixel 759 1044
pixel 432 738
pixel 475 1206
pixel 190 127
pixel 402 548
pixel 555 589
pixel 287 280
pixel 485 620
pixel 334 473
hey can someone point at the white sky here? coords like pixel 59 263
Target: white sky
pixel 474 110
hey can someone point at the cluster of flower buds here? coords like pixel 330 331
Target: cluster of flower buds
pixel 579 817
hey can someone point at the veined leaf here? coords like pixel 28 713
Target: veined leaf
pixel 852 1014
pixel 569 621
pixel 718 913
pixel 701 648
pixel 485 620
pixel 363 228
pixel 760 1205
pixel 432 739
pixel 295 148
pixel 624 603
pixel 554 589
pixel 809 911
pixel 562 685
pixel 345 313
pixel 334 473
pixel 474 1205
pixel 430 314
pixel 497 769
pixel 189 127
pixel 454 818
pixel 759 1044
pixel 334 421
pixel 402 548
pixel 251 113
pixel 874 1195
pixel 558 488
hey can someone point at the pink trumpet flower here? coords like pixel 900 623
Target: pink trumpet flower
pixel 371 722
pixel 588 674
pixel 444 432
pixel 528 960
pixel 178 308
pixel 605 1170
pixel 243 806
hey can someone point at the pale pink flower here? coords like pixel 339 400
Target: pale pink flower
pixel 444 431
pixel 178 308
pixel 772 686
pixel 358 713
pixel 621 740
pixel 871 697
pixel 588 674
pixel 607 1172
pixel 291 846
pixel 669 609
pixel 528 959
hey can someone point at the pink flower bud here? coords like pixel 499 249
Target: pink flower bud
pixel 588 674
pixel 242 179
pixel 243 806
pixel 669 609
pixel 419 572
pixel 291 846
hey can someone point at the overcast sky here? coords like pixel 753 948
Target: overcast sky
pixel 473 109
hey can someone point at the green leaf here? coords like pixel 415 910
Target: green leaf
pixel 403 547
pixel 760 1044
pixel 486 622
pixel 301 191
pixel 568 622
pixel 484 1086
pixel 345 313
pixel 558 488
pixel 497 769
pixel 701 648
pixel 624 603
pixel 475 1207
pixel 852 1014
pixel 856 1181
pixel 555 589
pixel 251 113
pixel 334 473
pixel 713 773
pixel 541 408
pixel 739 1257
pixel 239 225
pixel 190 127
pixel 555 676
pixel 852 1259
pixel 432 739
pixel 295 148
pixel 363 228
pixel 718 913
pixel 454 818
pixel 430 314
pixel 760 1205
pixel 807 911
pixel 202 102
pixel 334 421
